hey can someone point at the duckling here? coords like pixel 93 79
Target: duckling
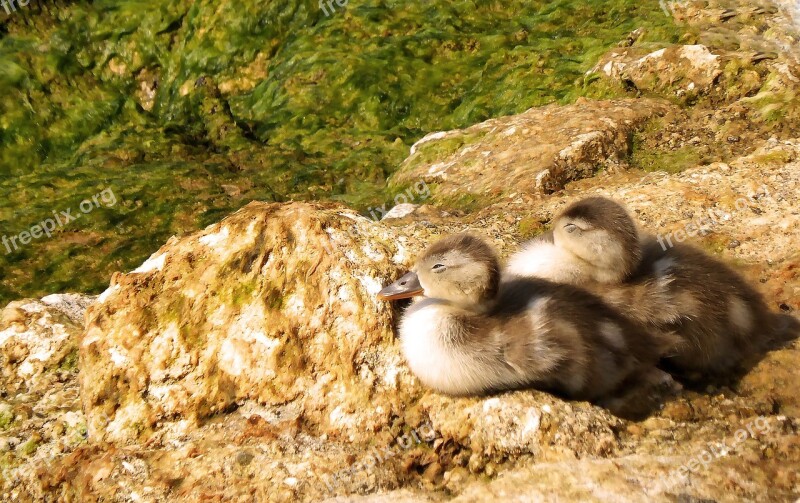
pixel 472 333
pixel 720 318
pixel 592 239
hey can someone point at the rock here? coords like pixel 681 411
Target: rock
pixel 148 80
pixel 40 416
pixel 792 10
pixel 244 458
pixel 400 211
pixel 684 71
pixel 404 213
pixel 518 445
pixel 513 444
pixel 401 496
pixel 538 151
pixel 332 412
pixel 275 304
pixel 761 27
pixel 38 337
pixel 72 305
pixel 743 55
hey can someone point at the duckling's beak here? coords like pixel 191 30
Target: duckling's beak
pixel 405 287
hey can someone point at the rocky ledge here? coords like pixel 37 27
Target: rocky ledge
pixel 251 360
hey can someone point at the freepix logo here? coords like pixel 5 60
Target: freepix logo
pixel 60 218
pixel 11 5
pixel 330 5
pixel 704 225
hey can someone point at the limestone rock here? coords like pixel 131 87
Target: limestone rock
pixel 39 408
pixel 516 446
pixel 538 151
pixel 407 213
pixel 36 338
pixel 276 303
pixel 745 201
pixel 684 71
pixel 761 26
pixel 400 211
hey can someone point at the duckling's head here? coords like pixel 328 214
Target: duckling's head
pixel 599 231
pixel 460 269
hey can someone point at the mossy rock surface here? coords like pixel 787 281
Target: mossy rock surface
pixel 535 152
pixel 275 303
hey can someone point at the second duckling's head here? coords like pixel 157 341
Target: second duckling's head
pixel 599 231
pixel 461 269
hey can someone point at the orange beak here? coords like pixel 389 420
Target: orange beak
pixel 405 287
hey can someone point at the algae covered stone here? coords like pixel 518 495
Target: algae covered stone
pixel 39 338
pixel 275 303
pixel 537 151
pixel 684 71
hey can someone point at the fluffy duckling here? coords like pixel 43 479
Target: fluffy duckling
pixel 720 318
pixel 592 239
pixel 470 333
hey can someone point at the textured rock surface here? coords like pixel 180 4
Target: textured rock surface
pixel 512 446
pixel 37 337
pixel 275 303
pixel 537 151
pixel 40 416
pixel 751 203
pixel 686 70
pixel 759 26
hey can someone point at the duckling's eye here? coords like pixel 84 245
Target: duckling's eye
pixel 571 228
pixel 439 268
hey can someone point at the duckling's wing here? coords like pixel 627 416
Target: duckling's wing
pixel 524 338
pixel 652 301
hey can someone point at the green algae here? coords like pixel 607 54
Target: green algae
pixel 671 161
pixel 255 100
pixel 439 150
pixel 778 157
pixel 6 419
pixel 29 447
pixel 530 227
pixel 70 361
pixel 465 202
pixel 664 158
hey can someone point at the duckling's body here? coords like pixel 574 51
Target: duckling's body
pixel 541 258
pixel 471 334
pixel 718 316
